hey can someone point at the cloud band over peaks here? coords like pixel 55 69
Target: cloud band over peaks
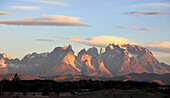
pixel 158 46
pixel 100 41
pixel 46 20
pixel 103 41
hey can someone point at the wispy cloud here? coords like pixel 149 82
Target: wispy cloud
pixel 153 9
pixel 50 40
pixel 155 5
pixel 5 13
pixel 148 13
pixel 158 17
pixel 124 27
pixel 31 8
pixel 103 41
pixel 48 2
pixel 138 28
pixel 46 20
pixel 162 57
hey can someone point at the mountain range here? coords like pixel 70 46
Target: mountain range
pixel 114 60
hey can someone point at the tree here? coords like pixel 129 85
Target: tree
pixel 16 77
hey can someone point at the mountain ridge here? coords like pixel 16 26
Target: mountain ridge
pixel 115 60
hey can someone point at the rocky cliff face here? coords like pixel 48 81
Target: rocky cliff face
pixel 115 60
pixel 90 64
pixel 124 59
pixel 3 64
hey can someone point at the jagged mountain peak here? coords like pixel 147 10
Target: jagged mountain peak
pixel 128 49
pixel 132 48
pixel 102 50
pixel 27 56
pixel 83 51
pixel 70 46
pixel 58 49
pixel 4 55
pixel 109 48
pixel 92 51
pixel 69 49
pixel 63 49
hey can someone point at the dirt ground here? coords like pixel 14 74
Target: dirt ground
pixel 113 93
pixel 123 94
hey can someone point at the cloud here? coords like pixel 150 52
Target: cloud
pixel 103 41
pixel 124 27
pixel 158 46
pixel 48 2
pixel 31 8
pixel 162 57
pixel 155 5
pixel 100 41
pixel 137 28
pixel 46 20
pixel 149 29
pixel 5 13
pixel 153 9
pixel 158 17
pixel 50 40
pixel 148 13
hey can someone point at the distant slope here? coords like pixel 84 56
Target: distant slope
pixel 55 78
pixel 148 77
pixel 21 76
pixel 163 79
pixel 72 78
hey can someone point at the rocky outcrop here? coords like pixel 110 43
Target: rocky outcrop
pixel 101 50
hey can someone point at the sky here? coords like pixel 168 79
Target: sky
pixel 28 26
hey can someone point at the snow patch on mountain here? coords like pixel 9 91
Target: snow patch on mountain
pixel 32 57
pixel 132 55
pixel 108 57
